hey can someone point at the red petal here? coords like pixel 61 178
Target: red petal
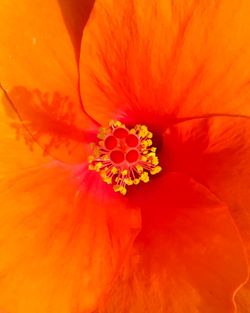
pixel 216 152
pixel 188 256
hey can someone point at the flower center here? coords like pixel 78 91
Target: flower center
pixel 123 156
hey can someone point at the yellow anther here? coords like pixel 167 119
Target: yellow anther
pixel 115 123
pixel 124 172
pixel 155 160
pixel 143 132
pixel 155 170
pixel 144 158
pixel 107 180
pixel 153 149
pixel 149 142
pixel 117 188
pixel 97 167
pixel 128 181
pixel 144 177
pixel 136 181
pixel 114 170
pixel 105 157
pixel 139 168
pixel 121 189
pixel 151 154
pixel 150 135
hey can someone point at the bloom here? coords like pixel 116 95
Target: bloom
pixel 68 243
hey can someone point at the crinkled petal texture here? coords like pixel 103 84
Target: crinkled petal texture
pixel 157 60
pixel 39 75
pixel 188 256
pixel 59 253
pixel 63 236
pixel 216 152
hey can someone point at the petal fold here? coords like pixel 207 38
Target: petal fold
pixel 216 152
pixel 76 14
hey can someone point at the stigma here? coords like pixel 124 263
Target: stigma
pixel 124 157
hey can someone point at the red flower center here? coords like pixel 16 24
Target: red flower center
pixel 124 156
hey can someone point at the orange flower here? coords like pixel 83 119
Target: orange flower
pixel 180 242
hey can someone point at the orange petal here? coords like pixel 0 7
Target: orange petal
pixel 60 251
pixel 152 61
pixel 46 235
pixel 243 299
pixel 188 256
pixel 115 63
pixel 39 73
pixel 15 154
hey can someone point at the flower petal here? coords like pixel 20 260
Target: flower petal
pixel 115 63
pixel 243 299
pixel 216 152
pixel 51 218
pixel 60 251
pixel 15 154
pixel 76 14
pixel 188 256
pixel 163 59
pixel 39 75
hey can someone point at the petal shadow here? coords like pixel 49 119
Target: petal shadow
pixel 50 120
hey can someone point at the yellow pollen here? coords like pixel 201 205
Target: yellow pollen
pixel 114 170
pixel 144 177
pixel 124 157
pixel 124 172
pixel 155 170
pixel 136 181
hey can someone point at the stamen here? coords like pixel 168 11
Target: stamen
pixel 123 156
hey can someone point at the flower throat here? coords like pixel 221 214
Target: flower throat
pixel 123 156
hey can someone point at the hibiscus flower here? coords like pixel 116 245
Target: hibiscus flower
pixel 124 156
